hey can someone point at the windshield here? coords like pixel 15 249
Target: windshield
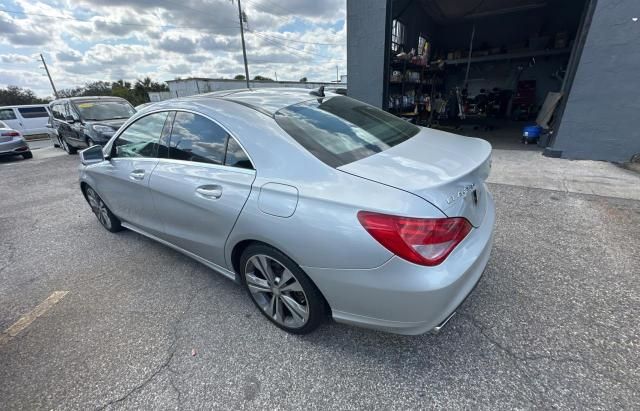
pixel 104 110
pixel 340 130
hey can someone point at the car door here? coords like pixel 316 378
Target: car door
pixel 10 118
pixel 34 119
pixel 60 124
pixel 200 189
pixel 123 180
pixel 76 128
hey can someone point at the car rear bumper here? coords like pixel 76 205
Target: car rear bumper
pixel 14 147
pixel 405 298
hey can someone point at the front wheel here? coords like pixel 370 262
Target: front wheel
pixel 69 149
pixel 100 209
pixel 27 155
pixel 281 290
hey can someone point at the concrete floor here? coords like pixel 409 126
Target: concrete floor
pixel 553 324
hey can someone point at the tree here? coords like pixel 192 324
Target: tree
pixel 239 77
pixel 14 95
pixel 134 93
pixel 262 78
pixel 303 80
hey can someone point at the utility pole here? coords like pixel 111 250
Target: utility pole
pixel 337 76
pixel 244 50
pixel 55 92
pixel 276 73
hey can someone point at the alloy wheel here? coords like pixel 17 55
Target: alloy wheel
pixel 99 208
pixel 276 291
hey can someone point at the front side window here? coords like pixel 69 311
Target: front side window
pixel 339 130
pixel 33 112
pixel 57 110
pixel 195 138
pixel 141 138
pixel 104 110
pixel 7 114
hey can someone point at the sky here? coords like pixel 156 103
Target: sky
pixel 91 40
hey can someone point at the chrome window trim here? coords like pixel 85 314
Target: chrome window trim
pixel 232 135
pixel 206 165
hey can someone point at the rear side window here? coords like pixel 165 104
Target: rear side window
pixel 7 114
pixel 141 138
pixel 340 130
pixel 236 157
pixel 33 112
pixel 195 138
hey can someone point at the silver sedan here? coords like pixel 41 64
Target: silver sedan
pixel 318 204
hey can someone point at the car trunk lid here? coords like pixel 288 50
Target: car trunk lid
pixel 445 169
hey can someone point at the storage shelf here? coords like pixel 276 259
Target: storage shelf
pixel 509 56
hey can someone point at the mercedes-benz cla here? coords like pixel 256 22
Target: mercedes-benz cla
pixel 318 204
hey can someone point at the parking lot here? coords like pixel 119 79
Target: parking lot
pixel 553 323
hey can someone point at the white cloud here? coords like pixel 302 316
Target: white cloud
pixel 93 40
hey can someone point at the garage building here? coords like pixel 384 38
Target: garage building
pixel 489 68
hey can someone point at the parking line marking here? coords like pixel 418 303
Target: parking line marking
pixel 27 319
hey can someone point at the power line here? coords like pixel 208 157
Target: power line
pixel 277 6
pixel 272 36
pixel 280 43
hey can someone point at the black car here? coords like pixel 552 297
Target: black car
pixel 84 121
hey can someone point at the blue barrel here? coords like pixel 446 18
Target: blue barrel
pixel 531 133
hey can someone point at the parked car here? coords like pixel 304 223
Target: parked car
pixel 84 121
pixel 53 133
pixel 316 203
pixel 30 120
pixel 12 143
pixel 143 105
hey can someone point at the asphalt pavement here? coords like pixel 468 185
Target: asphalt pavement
pixel 553 323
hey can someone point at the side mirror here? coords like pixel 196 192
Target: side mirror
pixel 91 155
pixel 69 119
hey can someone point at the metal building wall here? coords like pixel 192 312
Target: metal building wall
pixel 366 49
pixel 599 121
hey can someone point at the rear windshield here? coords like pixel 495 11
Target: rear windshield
pixel 104 110
pixel 33 112
pixel 340 130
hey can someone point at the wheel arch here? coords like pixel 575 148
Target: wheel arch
pixel 242 245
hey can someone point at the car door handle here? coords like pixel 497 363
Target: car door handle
pixel 210 191
pixel 136 175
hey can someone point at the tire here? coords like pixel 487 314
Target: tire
pixel 68 148
pixel 286 296
pixel 27 155
pixel 102 212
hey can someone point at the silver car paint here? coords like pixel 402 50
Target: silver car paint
pixel 437 175
pixel 354 272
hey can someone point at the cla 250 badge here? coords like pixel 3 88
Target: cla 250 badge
pixel 460 194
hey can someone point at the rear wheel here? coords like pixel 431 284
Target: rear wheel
pixel 69 149
pixel 281 290
pixel 100 209
pixel 27 155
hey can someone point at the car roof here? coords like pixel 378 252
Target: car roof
pixel 88 98
pixel 265 100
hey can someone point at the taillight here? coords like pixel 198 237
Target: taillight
pixel 10 134
pixel 424 241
